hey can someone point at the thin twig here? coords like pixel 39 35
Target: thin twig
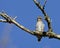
pixel 44 4
pixel 40 7
pixel 2 20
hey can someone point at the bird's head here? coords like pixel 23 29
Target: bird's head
pixel 39 18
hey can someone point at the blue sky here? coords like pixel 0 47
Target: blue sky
pixel 27 13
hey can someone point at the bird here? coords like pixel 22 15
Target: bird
pixel 39 26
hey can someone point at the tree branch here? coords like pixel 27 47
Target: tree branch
pixel 44 4
pixel 1 20
pixel 53 35
pixel 40 7
pixel 47 18
pixel 8 19
pixel 49 33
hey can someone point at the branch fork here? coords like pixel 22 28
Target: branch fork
pixel 49 33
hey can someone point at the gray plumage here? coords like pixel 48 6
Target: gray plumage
pixel 39 26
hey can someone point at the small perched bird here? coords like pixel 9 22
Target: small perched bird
pixel 39 26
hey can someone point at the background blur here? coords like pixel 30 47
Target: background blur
pixel 27 13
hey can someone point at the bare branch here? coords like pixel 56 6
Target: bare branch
pixel 22 27
pixel 40 7
pixel 57 37
pixel 1 20
pixel 15 17
pixel 49 33
pixel 38 35
pixel 53 35
pixel 11 20
pixel 48 20
pixel 45 14
pixel 44 4
pixel 6 17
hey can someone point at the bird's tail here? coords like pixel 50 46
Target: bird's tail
pixel 39 39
